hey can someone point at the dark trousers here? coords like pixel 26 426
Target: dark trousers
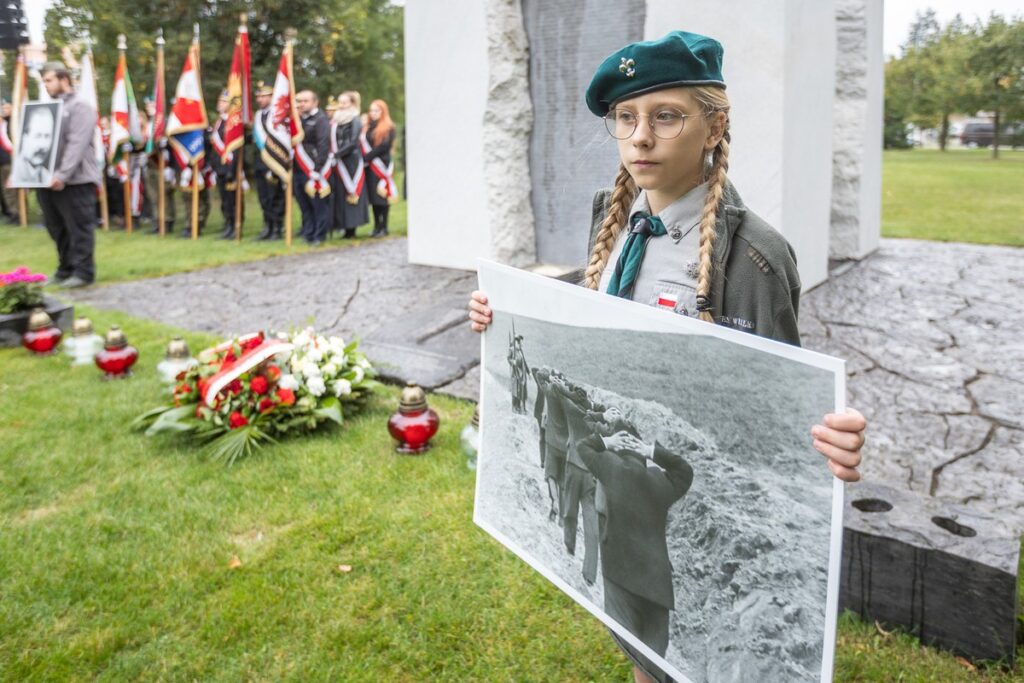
pixel 271 196
pixel 227 204
pixel 578 492
pixel 646 620
pixel 316 211
pixel 380 218
pixel 70 216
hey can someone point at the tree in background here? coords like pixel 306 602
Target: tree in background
pixel 997 64
pixel 350 45
pixel 956 69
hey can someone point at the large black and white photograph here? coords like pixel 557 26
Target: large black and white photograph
pixel 660 471
pixel 36 155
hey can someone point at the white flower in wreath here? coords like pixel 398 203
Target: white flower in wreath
pixel 359 374
pixel 363 363
pixel 329 370
pixel 300 340
pixel 336 345
pixel 316 386
pixel 315 354
pixel 342 388
pixel 310 369
pixel 338 360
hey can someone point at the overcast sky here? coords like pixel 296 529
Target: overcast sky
pixel 899 14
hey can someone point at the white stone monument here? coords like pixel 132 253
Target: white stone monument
pixel 503 156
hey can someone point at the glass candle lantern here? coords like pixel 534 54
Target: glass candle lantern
pixel 42 336
pixel 414 423
pixel 469 439
pixel 176 361
pixel 84 343
pixel 117 356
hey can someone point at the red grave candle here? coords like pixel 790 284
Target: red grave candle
pixel 414 423
pixel 42 336
pixel 117 356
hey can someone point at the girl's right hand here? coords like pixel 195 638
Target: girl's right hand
pixel 479 312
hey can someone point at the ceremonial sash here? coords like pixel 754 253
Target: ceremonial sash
pixel 5 141
pixel 353 183
pixel 220 147
pixel 136 190
pixel 317 184
pixel 259 130
pixel 385 174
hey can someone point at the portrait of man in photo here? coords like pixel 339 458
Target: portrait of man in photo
pixel 37 145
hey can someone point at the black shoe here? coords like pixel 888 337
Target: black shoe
pixel 350 234
pixel 315 243
pixel 267 233
pixel 277 233
pixel 382 232
pixel 74 282
pixel 228 234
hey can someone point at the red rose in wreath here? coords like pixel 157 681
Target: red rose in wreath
pixel 286 396
pixel 259 385
pixel 237 420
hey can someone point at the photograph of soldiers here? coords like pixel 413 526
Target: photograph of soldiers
pixel 678 460
pixel 519 371
pixel 37 148
pixel 314 205
pixel 269 188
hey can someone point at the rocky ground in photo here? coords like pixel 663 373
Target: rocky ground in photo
pixel 932 333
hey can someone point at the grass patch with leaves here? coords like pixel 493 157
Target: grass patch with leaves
pixel 954 196
pixel 321 558
pixel 120 256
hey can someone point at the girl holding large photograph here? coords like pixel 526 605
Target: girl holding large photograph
pixel 674 232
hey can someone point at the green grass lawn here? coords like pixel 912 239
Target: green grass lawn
pixel 120 256
pixel 954 196
pixel 116 547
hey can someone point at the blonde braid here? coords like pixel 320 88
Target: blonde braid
pixel 717 176
pixel 622 198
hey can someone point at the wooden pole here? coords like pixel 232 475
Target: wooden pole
pixel 288 210
pixel 161 211
pixel 128 199
pixel 23 208
pixel 104 206
pixel 238 194
pixel 195 201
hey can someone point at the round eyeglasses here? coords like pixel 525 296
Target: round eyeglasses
pixel 665 124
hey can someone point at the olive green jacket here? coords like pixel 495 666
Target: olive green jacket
pixel 755 286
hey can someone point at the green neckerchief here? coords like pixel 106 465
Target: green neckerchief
pixel 644 226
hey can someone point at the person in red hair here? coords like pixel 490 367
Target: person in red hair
pixel 377 141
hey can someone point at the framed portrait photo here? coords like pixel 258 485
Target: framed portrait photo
pixel 660 471
pixel 35 155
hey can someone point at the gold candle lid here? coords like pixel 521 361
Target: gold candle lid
pixel 115 337
pixel 414 399
pixel 82 327
pixel 177 349
pixel 39 319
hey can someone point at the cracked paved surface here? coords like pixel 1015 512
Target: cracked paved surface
pixel 932 334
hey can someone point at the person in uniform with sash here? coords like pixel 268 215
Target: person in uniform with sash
pixel 380 184
pixel 269 188
pixel 225 166
pixel 351 206
pixel 310 187
pixel 675 225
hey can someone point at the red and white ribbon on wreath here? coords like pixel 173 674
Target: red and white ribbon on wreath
pixel 353 183
pixel 250 359
pixel 385 174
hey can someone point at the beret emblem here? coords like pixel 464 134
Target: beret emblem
pixel 626 67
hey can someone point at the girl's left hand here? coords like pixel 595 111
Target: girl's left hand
pixel 840 439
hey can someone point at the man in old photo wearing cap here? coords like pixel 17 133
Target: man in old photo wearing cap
pixel 69 204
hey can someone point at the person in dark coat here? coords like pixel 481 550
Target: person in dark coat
pixel 225 165
pixel 351 205
pixel 380 179
pixel 641 482
pixel 556 443
pixel 310 189
pixel 268 186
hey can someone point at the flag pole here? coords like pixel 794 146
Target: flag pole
pixel 160 163
pixel 18 101
pixel 195 164
pixel 243 18
pixel 104 202
pixel 122 47
pixel 289 44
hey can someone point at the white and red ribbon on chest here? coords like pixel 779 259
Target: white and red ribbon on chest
pixel 220 147
pixel 317 183
pixel 353 182
pixel 386 186
pixel 5 140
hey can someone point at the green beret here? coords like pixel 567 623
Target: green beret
pixel 678 59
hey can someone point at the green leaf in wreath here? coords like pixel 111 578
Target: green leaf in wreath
pixel 330 408
pixel 147 418
pixel 174 420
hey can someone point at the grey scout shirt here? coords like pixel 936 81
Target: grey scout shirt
pixel 668 274
pixel 76 158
